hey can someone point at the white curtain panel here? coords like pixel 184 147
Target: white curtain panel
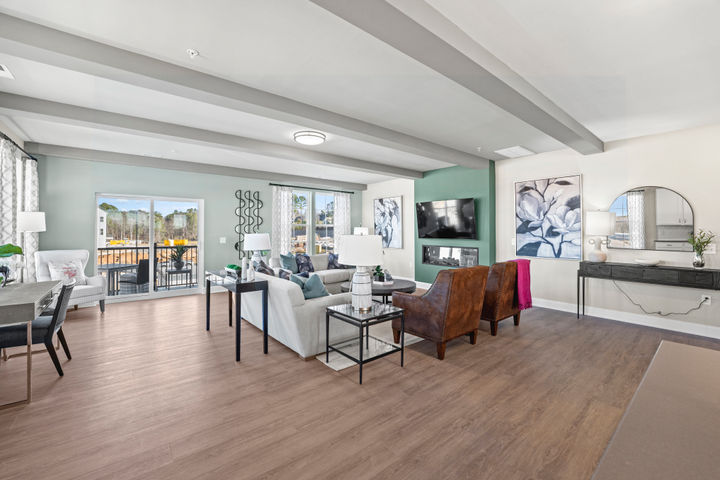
pixel 636 218
pixel 18 193
pixel 342 217
pixel 282 218
pixel 9 160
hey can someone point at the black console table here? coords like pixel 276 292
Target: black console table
pixel 687 277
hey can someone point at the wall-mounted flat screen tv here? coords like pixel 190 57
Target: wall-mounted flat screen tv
pixel 447 219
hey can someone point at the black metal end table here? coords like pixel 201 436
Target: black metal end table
pixel 238 287
pixel 379 313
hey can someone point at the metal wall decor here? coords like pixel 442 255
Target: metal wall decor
pixel 249 219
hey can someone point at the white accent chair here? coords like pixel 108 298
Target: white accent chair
pixel 94 291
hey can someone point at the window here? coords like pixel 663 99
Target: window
pixel 299 234
pixel 324 222
pixel 314 221
pixel 148 245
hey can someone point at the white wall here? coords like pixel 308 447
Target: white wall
pixel 686 161
pixel 5 128
pixel 400 261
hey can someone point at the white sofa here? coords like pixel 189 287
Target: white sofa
pixel 293 321
pixel 94 291
pixel 332 278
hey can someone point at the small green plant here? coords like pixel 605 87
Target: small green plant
pixel 8 250
pixel 701 241
pixel 178 253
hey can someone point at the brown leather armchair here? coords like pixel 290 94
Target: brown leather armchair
pixel 450 309
pixel 501 296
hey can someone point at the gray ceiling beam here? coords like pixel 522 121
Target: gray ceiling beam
pixel 153 128
pixel 54 47
pixel 180 165
pixel 422 33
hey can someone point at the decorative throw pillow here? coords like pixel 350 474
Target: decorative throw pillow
pixel 262 267
pixel 284 274
pixel 304 264
pixel 333 261
pixel 67 272
pixel 298 279
pixel 312 287
pixel 288 263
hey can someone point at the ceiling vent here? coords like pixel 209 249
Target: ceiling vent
pixel 514 152
pixel 5 72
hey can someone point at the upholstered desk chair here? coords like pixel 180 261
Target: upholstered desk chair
pixel 94 291
pixel 43 330
pixel 501 296
pixel 449 309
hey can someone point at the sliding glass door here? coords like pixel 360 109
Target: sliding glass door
pixel 143 257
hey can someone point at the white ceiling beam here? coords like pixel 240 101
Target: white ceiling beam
pixel 416 29
pixel 153 128
pixel 43 44
pixel 180 165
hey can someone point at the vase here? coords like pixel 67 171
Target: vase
pixel 698 260
pixel 179 264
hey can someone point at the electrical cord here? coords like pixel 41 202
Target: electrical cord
pixel 659 312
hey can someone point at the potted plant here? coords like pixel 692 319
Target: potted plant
pixel 7 250
pixel 699 244
pixel 177 256
pixel 379 274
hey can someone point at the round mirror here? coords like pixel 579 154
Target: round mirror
pixel 652 218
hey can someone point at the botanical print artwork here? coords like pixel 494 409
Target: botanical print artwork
pixel 548 218
pixel 388 221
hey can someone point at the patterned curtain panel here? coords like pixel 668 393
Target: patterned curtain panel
pixel 342 217
pixel 282 219
pixel 636 218
pixel 18 193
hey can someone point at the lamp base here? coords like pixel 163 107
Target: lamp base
pixel 596 254
pixel 361 290
pixel 257 258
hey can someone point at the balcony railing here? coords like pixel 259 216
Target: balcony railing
pixel 112 262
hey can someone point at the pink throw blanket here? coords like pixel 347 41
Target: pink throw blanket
pixel 523 283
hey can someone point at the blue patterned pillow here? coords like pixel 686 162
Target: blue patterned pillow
pixel 262 267
pixel 284 274
pixel 304 264
pixel 333 261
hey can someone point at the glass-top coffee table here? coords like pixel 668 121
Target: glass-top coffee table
pixel 357 350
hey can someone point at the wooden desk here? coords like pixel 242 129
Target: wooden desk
pixel 22 303
pixel 686 277
pixel 671 429
pixel 238 287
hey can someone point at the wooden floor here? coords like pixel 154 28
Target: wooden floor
pixel 149 394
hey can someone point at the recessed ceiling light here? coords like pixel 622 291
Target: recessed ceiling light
pixel 192 52
pixel 514 152
pixel 5 72
pixel 309 137
pixel 479 149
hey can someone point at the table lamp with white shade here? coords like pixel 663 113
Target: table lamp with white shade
pixel 363 252
pixel 256 242
pixel 29 222
pixel 599 225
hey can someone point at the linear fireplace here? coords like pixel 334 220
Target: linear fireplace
pixel 450 256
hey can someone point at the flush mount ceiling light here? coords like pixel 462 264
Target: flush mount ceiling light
pixel 309 137
pixel 514 152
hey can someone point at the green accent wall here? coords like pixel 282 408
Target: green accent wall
pixel 458 182
pixel 67 196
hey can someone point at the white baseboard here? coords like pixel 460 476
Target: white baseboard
pixel 653 321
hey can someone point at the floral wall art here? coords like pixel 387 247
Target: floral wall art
pixel 548 218
pixel 388 221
